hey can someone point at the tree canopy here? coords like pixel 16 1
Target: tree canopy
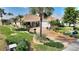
pixel 70 15
pixel 43 12
pixel 46 11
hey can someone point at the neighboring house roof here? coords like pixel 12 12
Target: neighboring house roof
pixel 33 18
pixel 7 17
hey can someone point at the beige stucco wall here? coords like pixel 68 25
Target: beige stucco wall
pixel 45 24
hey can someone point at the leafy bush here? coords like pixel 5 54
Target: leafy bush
pixel 77 36
pixel 50 43
pixel 22 46
pixel 76 28
pixel 55 22
pixel 59 45
pixel 64 30
pixel 20 29
pixel 40 47
pixel 54 44
pixel 68 33
pixel 57 28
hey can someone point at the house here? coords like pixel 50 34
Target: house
pixel 6 19
pixel 34 20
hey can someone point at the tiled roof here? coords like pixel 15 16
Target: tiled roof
pixel 30 18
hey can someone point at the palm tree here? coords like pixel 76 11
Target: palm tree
pixel 43 12
pixel 1 14
pixel 20 17
pixel 9 14
pixel 15 20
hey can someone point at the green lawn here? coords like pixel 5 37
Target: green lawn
pixel 25 35
pixel 6 30
pixel 12 35
pixel 15 36
pixel 20 35
pixel 65 29
pixel 40 47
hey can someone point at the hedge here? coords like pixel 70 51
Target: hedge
pixel 54 44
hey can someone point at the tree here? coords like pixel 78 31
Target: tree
pixel 15 20
pixel 1 14
pixel 70 15
pixel 20 17
pixel 43 12
pixel 9 14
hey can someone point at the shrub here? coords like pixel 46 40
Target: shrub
pixel 56 29
pixel 50 43
pixel 22 46
pixel 59 45
pixel 77 28
pixel 39 47
pixel 54 44
pixel 77 36
pixel 21 29
pixel 55 22
pixel 67 33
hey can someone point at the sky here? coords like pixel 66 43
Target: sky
pixel 57 13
